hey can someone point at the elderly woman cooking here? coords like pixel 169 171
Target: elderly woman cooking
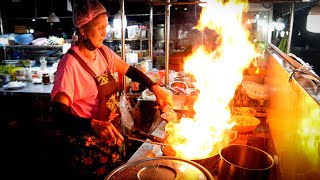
pixel 84 100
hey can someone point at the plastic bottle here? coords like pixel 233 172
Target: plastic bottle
pixel 28 74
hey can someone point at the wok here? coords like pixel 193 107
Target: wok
pixel 211 162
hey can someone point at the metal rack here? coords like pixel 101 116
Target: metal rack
pixel 167 5
pixel 29 48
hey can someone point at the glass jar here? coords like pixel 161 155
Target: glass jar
pixel 45 79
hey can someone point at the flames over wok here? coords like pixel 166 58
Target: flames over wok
pixel 218 74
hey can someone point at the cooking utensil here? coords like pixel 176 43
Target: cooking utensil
pixel 244 162
pixel 159 32
pixel 146 135
pixel 146 141
pixel 255 90
pixel 179 87
pixel 160 168
pixel 244 111
pixel 213 158
pixel 245 123
pixel 230 136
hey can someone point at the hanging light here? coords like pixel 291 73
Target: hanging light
pixel 203 3
pixel 117 24
pixel 313 19
pixel 53 18
pixel 279 24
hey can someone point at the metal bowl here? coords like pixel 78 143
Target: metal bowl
pixel 245 123
pixel 244 111
pixel 255 90
pixel 179 87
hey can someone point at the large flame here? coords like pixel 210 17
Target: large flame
pixel 218 74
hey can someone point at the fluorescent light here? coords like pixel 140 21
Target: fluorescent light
pixel 313 19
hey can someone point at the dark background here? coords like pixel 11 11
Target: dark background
pixel 304 44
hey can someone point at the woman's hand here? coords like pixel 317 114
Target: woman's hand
pixel 105 129
pixel 164 98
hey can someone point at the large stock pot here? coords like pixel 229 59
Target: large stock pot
pixel 244 162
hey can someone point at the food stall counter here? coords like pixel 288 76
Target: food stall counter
pixel 27 88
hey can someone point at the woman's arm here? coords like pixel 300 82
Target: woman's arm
pixel 62 115
pixel 73 124
pixel 163 98
pixel 120 65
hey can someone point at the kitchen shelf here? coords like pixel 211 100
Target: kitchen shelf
pixel 132 39
pixel 18 52
pixel 34 46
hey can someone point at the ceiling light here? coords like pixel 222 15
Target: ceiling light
pixel 279 24
pixel 313 19
pixel 203 3
pixel 53 18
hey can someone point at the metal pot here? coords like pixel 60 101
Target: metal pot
pixel 160 168
pixel 244 162
pixel 159 32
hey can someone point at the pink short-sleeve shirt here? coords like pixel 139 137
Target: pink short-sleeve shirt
pixel 72 79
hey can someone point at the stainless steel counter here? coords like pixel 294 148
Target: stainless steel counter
pixel 150 150
pixel 34 89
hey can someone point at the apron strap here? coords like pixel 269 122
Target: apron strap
pixel 103 53
pixel 83 64
pixel 105 57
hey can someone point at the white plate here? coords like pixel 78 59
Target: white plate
pixel 17 85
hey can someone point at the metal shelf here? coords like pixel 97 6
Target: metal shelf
pixel 132 39
pixel 34 46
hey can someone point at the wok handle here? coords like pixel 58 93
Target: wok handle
pixel 146 141
pixel 146 135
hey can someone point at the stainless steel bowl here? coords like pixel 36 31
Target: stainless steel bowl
pixel 179 87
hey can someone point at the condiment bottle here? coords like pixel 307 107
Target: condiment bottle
pixel 45 79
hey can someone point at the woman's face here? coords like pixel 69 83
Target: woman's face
pixel 96 30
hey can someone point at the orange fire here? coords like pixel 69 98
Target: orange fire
pixel 218 74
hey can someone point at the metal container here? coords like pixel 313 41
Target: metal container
pixel 160 168
pixel 244 162
pixel 159 32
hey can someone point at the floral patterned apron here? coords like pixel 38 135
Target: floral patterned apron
pixel 93 156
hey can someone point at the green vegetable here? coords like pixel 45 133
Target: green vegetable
pixel 283 43
pixel 261 46
pixel 5 69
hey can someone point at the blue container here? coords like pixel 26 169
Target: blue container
pixel 24 39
